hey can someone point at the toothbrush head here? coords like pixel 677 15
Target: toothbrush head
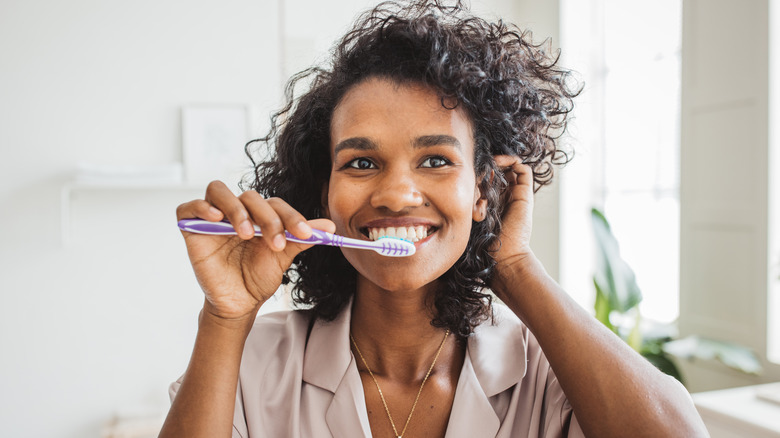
pixel 394 246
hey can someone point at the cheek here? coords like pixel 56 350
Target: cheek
pixel 464 197
pixel 457 204
pixel 343 199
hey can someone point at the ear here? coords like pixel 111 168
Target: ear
pixel 479 211
pixel 324 200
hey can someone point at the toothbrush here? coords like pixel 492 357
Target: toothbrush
pixel 387 246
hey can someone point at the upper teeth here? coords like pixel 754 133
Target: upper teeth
pixel 412 234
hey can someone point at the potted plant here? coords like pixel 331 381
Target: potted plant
pixel 616 305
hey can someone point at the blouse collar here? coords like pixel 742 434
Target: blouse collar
pixel 495 361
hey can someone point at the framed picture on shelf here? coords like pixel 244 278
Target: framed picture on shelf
pixel 213 140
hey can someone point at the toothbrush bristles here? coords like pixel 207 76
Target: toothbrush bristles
pixel 397 238
pixel 395 249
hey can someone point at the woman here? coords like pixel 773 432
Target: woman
pixel 435 125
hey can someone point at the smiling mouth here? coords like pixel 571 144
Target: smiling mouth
pixel 412 234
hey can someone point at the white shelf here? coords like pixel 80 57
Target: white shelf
pixel 132 185
pixel 70 188
pixel 740 412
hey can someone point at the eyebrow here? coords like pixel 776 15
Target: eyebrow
pixel 436 140
pixel 365 144
pixel 358 143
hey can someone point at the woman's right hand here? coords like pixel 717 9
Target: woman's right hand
pixel 239 273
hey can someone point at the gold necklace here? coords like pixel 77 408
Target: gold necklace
pixel 418 392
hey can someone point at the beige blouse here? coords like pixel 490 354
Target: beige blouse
pixel 291 386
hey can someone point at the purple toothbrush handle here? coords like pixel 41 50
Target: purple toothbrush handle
pixel 205 227
pixel 199 226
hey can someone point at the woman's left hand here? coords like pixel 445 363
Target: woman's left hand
pixel 517 217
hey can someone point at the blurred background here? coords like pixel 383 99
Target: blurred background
pixel 112 113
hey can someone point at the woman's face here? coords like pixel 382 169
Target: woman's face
pixel 402 165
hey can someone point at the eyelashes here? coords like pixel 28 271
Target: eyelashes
pixel 435 161
pixel 364 163
pixel 361 163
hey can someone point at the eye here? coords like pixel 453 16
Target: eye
pixel 434 162
pixel 361 163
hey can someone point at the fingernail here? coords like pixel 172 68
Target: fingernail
pixel 214 211
pixel 279 241
pixel 303 227
pixel 246 228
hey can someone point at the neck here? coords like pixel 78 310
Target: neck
pixel 394 333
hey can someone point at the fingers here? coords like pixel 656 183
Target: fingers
pixel 323 224
pixel 273 215
pixel 198 208
pixel 514 170
pixel 220 196
pixel 519 177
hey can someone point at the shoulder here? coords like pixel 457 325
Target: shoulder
pixel 510 365
pixel 505 352
pixel 270 377
pixel 506 333
pixel 501 334
pixel 497 350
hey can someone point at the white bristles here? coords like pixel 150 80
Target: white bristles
pixel 394 246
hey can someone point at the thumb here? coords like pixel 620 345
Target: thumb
pixel 323 224
pixel 293 248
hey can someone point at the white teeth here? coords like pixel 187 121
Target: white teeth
pixel 409 233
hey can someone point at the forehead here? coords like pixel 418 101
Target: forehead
pixel 382 109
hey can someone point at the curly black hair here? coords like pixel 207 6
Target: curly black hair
pixel 518 101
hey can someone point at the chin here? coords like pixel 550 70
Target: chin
pixel 397 284
pixel 396 275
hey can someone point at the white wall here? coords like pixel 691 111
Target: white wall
pixel 104 324
pixel 774 181
pixel 724 183
pixel 542 19
pixel 101 326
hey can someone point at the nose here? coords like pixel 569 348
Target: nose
pixel 396 191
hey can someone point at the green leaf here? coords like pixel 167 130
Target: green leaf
pixel 732 355
pixel 603 309
pixel 613 276
pixel 634 339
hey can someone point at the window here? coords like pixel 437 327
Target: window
pixel 626 134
